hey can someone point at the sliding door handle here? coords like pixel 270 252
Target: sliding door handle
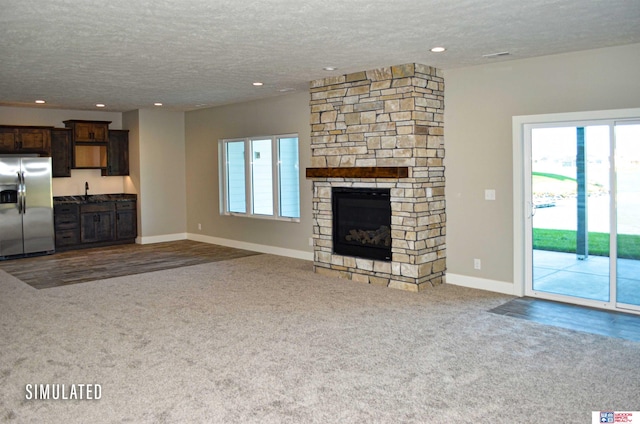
pixel 531 210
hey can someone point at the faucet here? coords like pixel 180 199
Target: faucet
pixel 86 190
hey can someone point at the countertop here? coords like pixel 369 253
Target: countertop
pixel 94 198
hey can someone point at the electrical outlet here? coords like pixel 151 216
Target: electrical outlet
pixel 311 241
pixel 490 194
pixel 199 226
pixel 477 264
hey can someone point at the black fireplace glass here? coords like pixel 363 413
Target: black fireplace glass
pixel 362 222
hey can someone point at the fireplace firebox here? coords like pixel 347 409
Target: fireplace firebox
pixel 362 222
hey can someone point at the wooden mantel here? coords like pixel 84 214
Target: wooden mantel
pixel 359 172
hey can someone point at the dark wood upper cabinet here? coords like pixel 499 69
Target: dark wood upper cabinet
pixel 25 139
pixel 80 145
pixel 7 139
pixel 117 153
pixel 88 131
pixel 89 143
pixel 37 140
pixel 61 152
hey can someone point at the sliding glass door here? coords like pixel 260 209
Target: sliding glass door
pixel 627 160
pixel 582 183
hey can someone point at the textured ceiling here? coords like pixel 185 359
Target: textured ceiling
pixel 190 54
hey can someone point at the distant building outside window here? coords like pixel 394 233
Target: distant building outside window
pixel 260 177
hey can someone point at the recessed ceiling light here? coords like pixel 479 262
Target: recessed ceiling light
pixel 258 84
pixel 99 105
pixel 157 104
pixel 330 68
pixel 40 102
pixel 438 49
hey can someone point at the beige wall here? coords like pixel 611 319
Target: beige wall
pixel 279 115
pixel 131 122
pixel 55 117
pixel 157 148
pixel 479 105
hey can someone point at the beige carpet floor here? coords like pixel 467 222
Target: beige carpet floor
pixel 262 339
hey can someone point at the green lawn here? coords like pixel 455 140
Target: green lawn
pixel 565 241
pixel 557 177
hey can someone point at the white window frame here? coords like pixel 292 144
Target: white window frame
pixel 248 168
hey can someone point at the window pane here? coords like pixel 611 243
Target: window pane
pixel 289 177
pixel 570 188
pixel 262 177
pixel 236 194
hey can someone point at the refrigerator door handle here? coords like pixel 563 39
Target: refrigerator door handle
pixel 24 194
pixel 22 190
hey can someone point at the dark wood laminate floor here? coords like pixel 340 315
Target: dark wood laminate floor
pixel 78 266
pixel 574 317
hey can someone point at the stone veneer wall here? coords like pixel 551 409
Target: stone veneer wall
pixel 384 117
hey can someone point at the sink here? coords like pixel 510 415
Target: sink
pixel 96 198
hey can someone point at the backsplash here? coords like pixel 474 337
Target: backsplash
pixel 97 183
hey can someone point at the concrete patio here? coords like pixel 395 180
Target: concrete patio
pixel 565 274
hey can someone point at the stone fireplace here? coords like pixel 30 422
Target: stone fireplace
pixel 381 131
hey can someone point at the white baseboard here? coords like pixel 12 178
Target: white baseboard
pixel 455 279
pixel 162 238
pixel 481 283
pixel 280 251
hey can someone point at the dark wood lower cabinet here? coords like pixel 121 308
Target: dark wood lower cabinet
pixel 80 225
pixel 66 218
pixel 97 222
pixel 126 220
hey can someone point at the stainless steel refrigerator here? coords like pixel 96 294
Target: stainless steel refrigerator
pixel 26 206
